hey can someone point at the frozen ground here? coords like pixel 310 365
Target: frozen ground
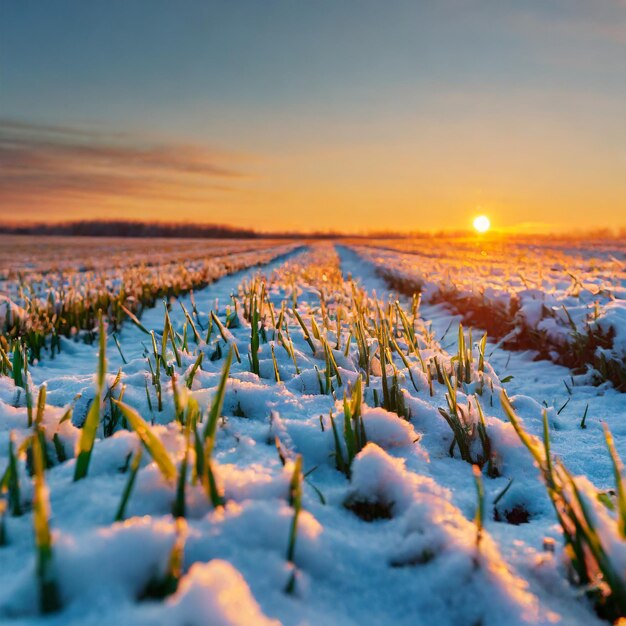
pixel 419 562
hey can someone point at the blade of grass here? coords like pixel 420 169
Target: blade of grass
pixel 92 421
pixel 150 440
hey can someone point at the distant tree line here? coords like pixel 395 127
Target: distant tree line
pixel 121 228
pixel 126 228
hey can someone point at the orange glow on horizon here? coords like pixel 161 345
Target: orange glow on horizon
pixel 353 186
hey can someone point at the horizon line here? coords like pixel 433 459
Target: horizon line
pixel 169 228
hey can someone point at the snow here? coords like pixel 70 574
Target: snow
pixel 613 317
pixel 424 563
pixel 434 534
pixel 379 477
pixel 218 590
pixel 386 429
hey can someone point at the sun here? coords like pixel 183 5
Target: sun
pixel 482 223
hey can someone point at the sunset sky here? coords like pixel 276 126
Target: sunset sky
pixel 358 115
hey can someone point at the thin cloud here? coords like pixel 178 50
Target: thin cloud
pixel 55 163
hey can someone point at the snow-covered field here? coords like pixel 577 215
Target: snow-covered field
pixel 294 443
pixel 44 256
pixel 564 299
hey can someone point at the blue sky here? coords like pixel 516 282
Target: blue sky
pixel 333 109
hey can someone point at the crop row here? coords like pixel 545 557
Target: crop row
pixel 566 307
pixel 66 305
